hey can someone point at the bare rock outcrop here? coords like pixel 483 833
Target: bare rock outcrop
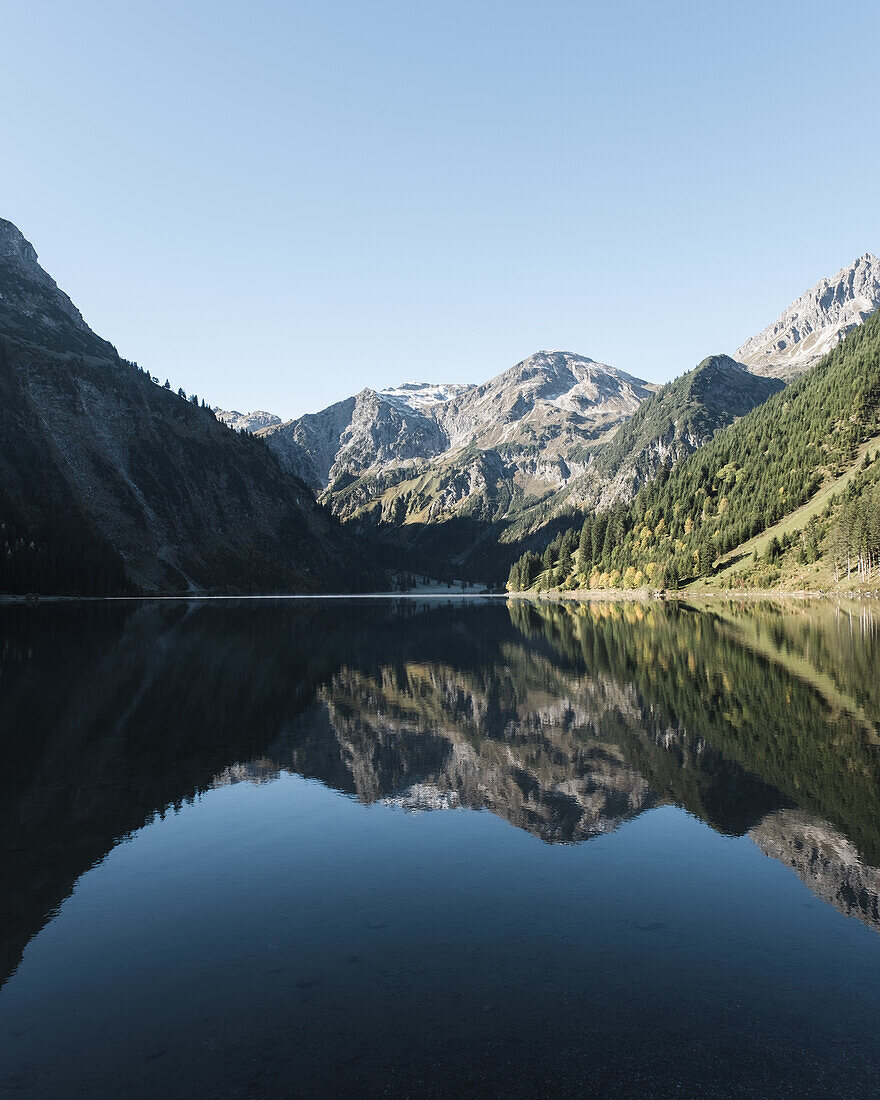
pixel 816 322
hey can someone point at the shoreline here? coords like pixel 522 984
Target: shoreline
pixel 646 595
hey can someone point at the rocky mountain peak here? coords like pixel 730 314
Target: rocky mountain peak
pixel 726 388
pixel 561 379
pixel 720 362
pixel 551 364
pixel 721 366
pixel 816 322
pixel 16 249
pixel 32 307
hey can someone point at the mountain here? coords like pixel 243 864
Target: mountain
pixel 499 510
pixel 536 408
pixel 247 422
pixel 109 481
pixel 548 395
pixel 444 468
pixel 803 466
pixel 816 322
pixel 450 478
pixel 687 412
pixel 473 474
pixel 363 432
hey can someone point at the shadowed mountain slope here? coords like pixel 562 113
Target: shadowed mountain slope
pixel 109 480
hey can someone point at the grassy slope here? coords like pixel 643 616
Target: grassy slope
pixel 818 575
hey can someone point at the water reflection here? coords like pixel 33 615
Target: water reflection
pixel 565 721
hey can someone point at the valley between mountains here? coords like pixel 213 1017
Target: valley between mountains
pixel 547 476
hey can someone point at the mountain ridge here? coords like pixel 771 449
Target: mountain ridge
pixel 546 388
pixel 441 476
pixel 816 322
pixel 458 474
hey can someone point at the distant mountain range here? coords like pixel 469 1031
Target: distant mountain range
pixel 472 471
pixel 548 402
pixel 102 466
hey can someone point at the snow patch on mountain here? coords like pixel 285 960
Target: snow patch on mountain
pixel 419 396
pixel 251 422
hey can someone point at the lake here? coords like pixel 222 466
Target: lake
pixel 417 847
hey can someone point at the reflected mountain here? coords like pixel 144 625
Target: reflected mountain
pixel 552 749
pixel 825 860
pixel 564 720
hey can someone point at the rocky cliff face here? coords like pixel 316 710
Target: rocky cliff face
pixel 32 307
pixel 365 432
pixel 106 475
pixel 550 392
pixel 420 396
pixel 816 322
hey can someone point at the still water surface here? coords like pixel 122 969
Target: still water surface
pixel 419 848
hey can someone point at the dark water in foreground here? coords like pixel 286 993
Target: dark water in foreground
pixel 409 848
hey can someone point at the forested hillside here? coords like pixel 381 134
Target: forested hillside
pixel 748 478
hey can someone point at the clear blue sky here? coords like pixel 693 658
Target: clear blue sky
pixel 276 204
